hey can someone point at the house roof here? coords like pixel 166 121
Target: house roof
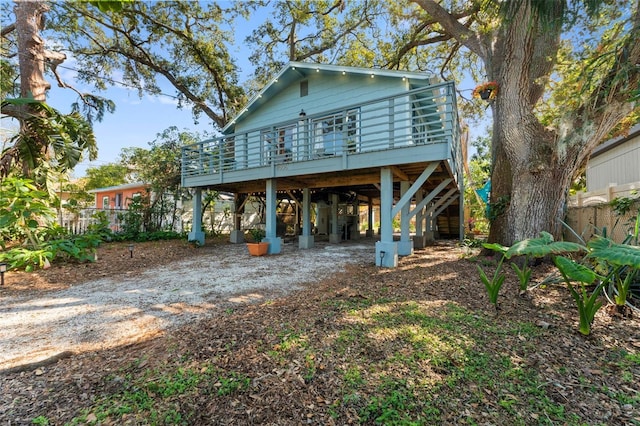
pixel 612 143
pixel 119 187
pixel 296 71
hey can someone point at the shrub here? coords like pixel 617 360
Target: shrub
pixel 257 234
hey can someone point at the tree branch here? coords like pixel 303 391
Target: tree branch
pixel 454 51
pixel 338 4
pixel 8 29
pixel 450 23
pixel 330 43
pixel 140 55
pixel 611 99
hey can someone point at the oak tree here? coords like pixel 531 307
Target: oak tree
pixel 567 75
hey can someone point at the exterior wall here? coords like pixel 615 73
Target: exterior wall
pixel 119 198
pixel 338 116
pixel 327 92
pixel 618 165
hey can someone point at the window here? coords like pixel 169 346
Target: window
pixel 286 142
pixel 105 202
pixel 336 132
pixel 119 200
pixel 279 148
pixel 267 141
pixel 304 88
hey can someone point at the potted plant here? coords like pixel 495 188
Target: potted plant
pixel 486 91
pixel 257 247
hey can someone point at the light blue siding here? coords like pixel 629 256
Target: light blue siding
pixel 327 93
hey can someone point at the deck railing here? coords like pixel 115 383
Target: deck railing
pixel 421 116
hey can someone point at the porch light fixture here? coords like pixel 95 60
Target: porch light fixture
pixel 131 251
pixel 3 269
pixel 302 113
pixel 372 75
pixel 344 72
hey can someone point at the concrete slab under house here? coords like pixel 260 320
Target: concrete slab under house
pixel 321 143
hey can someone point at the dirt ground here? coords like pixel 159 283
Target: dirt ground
pixel 157 286
pixel 73 378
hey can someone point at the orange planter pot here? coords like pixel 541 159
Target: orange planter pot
pixel 258 249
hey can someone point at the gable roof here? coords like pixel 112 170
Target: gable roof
pixel 120 187
pixel 612 143
pixel 296 71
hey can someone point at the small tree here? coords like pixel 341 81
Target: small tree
pixel 111 174
pixel 478 173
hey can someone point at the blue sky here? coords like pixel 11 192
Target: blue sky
pixel 135 122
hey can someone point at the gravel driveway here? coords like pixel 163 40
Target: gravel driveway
pixel 107 312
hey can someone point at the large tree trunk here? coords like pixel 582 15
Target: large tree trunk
pixel 29 23
pixel 526 195
pixel 537 203
pixel 501 185
pixel 533 164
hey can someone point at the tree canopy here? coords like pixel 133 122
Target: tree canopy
pixel 566 70
pixel 111 174
pixel 186 43
pixel 47 140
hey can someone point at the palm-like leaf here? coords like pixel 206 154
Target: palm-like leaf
pixel 46 135
pixel 495 247
pixel 614 253
pixel 572 271
pixel 542 246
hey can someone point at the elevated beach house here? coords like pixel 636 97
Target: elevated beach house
pixel 340 137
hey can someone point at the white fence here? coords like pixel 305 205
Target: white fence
pixel 218 219
pixel 591 213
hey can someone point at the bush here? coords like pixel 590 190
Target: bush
pixel 27 259
pixel 257 234
pixel 100 227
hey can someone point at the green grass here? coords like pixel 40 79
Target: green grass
pixel 438 351
pixel 389 363
pixel 151 396
pixel 233 383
